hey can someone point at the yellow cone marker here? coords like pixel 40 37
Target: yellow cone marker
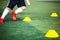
pixel 27 19
pixel 54 14
pixel 52 34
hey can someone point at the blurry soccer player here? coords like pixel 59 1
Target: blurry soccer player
pixel 20 4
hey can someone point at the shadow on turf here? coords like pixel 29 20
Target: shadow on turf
pixel 10 19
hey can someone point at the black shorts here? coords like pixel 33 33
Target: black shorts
pixel 19 3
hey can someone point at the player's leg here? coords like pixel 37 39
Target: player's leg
pixel 21 6
pixel 5 12
pixel 17 11
pixel 20 9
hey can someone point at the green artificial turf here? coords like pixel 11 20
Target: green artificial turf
pixel 41 22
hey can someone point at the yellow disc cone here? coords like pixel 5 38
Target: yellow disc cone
pixel 54 14
pixel 52 34
pixel 27 19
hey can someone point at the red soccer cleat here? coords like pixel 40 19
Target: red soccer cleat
pixel 13 16
pixel 1 20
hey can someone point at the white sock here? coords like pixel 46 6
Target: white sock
pixel 5 13
pixel 18 10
